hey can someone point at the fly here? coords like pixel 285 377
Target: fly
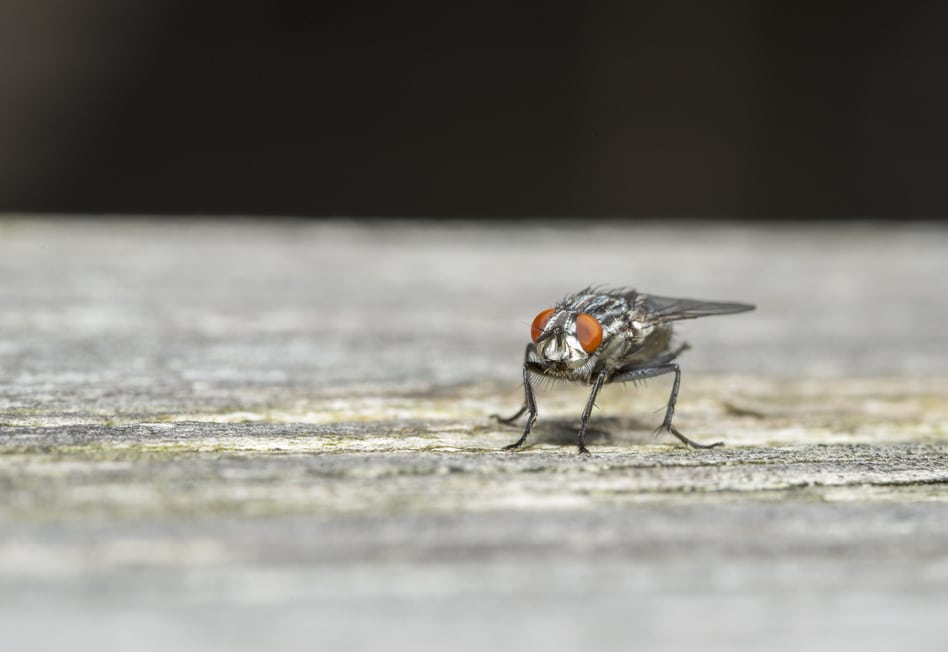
pixel 597 337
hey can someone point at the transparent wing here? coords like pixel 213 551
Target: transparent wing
pixel 671 309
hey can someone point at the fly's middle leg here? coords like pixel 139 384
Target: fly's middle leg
pixel 651 372
pixel 665 358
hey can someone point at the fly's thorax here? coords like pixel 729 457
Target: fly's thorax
pixel 623 339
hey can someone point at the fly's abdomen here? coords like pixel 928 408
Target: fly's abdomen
pixel 649 347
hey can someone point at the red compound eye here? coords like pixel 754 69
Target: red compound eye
pixel 539 323
pixel 588 332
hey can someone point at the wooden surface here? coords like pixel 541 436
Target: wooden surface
pixel 277 434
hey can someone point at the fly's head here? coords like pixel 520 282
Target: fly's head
pixel 565 340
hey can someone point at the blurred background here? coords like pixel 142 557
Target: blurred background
pixel 684 108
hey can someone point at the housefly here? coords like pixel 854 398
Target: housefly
pixel 597 337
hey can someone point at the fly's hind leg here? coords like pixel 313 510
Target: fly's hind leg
pixel 508 421
pixel 658 370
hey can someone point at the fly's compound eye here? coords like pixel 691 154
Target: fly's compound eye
pixel 540 322
pixel 588 332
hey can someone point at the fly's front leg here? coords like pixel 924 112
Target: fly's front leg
pixel 507 421
pixel 529 406
pixel 650 372
pixel 590 403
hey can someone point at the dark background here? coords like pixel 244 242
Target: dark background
pixel 748 109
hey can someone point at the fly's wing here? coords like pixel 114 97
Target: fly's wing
pixel 662 309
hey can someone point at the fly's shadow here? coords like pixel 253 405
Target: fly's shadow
pixel 604 430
